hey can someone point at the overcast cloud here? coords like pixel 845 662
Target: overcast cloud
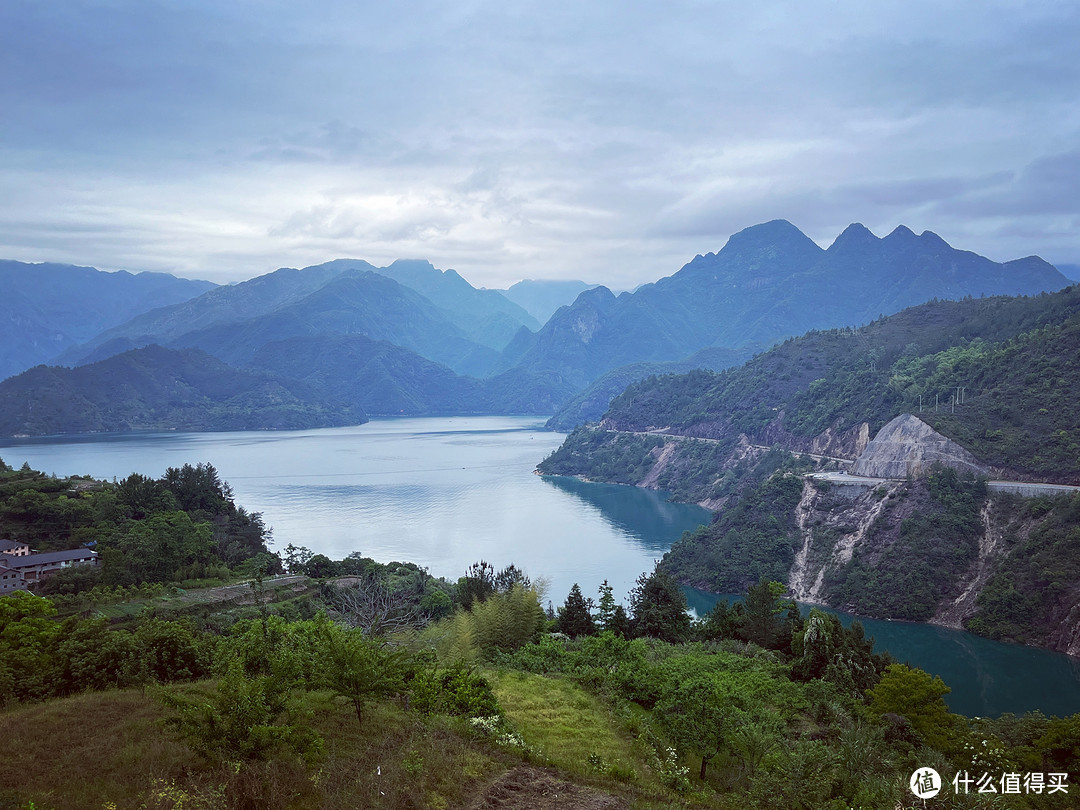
pixel 607 141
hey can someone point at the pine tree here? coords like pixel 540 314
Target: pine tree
pixel 605 610
pixel 574 617
pixel 659 608
pixel 620 622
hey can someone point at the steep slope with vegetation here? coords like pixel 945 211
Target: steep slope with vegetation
pixel 938 548
pixel 1013 358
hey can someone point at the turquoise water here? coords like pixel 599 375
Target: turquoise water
pixel 446 492
pixel 442 492
pixel 988 678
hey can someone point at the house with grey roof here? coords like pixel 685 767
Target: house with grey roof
pixel 14 548
pixel 34 567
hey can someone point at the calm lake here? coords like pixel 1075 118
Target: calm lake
pixel 446 492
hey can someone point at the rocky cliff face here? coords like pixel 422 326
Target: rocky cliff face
pixel 838 523
pixel 908 447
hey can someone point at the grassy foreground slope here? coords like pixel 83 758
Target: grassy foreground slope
pixel 126 756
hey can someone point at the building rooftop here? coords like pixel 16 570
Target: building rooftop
pixel 50 557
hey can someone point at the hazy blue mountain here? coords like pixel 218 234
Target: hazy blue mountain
pixel 768 282
pixel 541 298
pixel 45 308
pixel 352 303
pixel 485 316
pixel 1072 271
pixel 160 389
pixel 473 323
pixel 228 304
pixel 384 379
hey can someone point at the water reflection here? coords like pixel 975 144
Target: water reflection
pixel 642 514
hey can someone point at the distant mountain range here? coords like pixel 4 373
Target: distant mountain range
pixel 541 298
pixel 767 283
pixel 439 315
pixel 410 338
pixel 47 308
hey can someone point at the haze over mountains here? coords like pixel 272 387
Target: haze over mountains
pixel 409 338
pixel 770 282
pixel 46 308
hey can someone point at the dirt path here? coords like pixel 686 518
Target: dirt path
pixel 530 788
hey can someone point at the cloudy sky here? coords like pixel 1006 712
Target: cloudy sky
pixel 607 141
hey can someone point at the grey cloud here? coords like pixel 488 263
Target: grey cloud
pixel 563 138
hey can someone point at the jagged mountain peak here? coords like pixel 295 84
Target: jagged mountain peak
pixel 769 242
pixel 902 233
pixel 854 235
pixel 598 296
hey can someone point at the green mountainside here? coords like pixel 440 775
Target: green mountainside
pixel 939 548
pixel 1014 358
pixel 590 404
pixel 160 389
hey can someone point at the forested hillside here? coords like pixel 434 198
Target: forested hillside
pixel 1013 358
pixel 995 375
pixel 160 389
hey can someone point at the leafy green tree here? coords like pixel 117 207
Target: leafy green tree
pixel 574 617
pixel 198 488
pixel 157 548
pixel 658 608
pixel 477 584
pixel 140 496
pixel 507 621
pixel 701 716
pixel 91 656
pixel 296 558
pixel 723 621
pixel 825 649
pixel 358 668
pixel 320 567
pixel 27 637
pixel 620 622
pixel 171 651
pixel 1060 745
pixel 920 698
pixel 509 577
pixel 763 623
pixel 245 718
